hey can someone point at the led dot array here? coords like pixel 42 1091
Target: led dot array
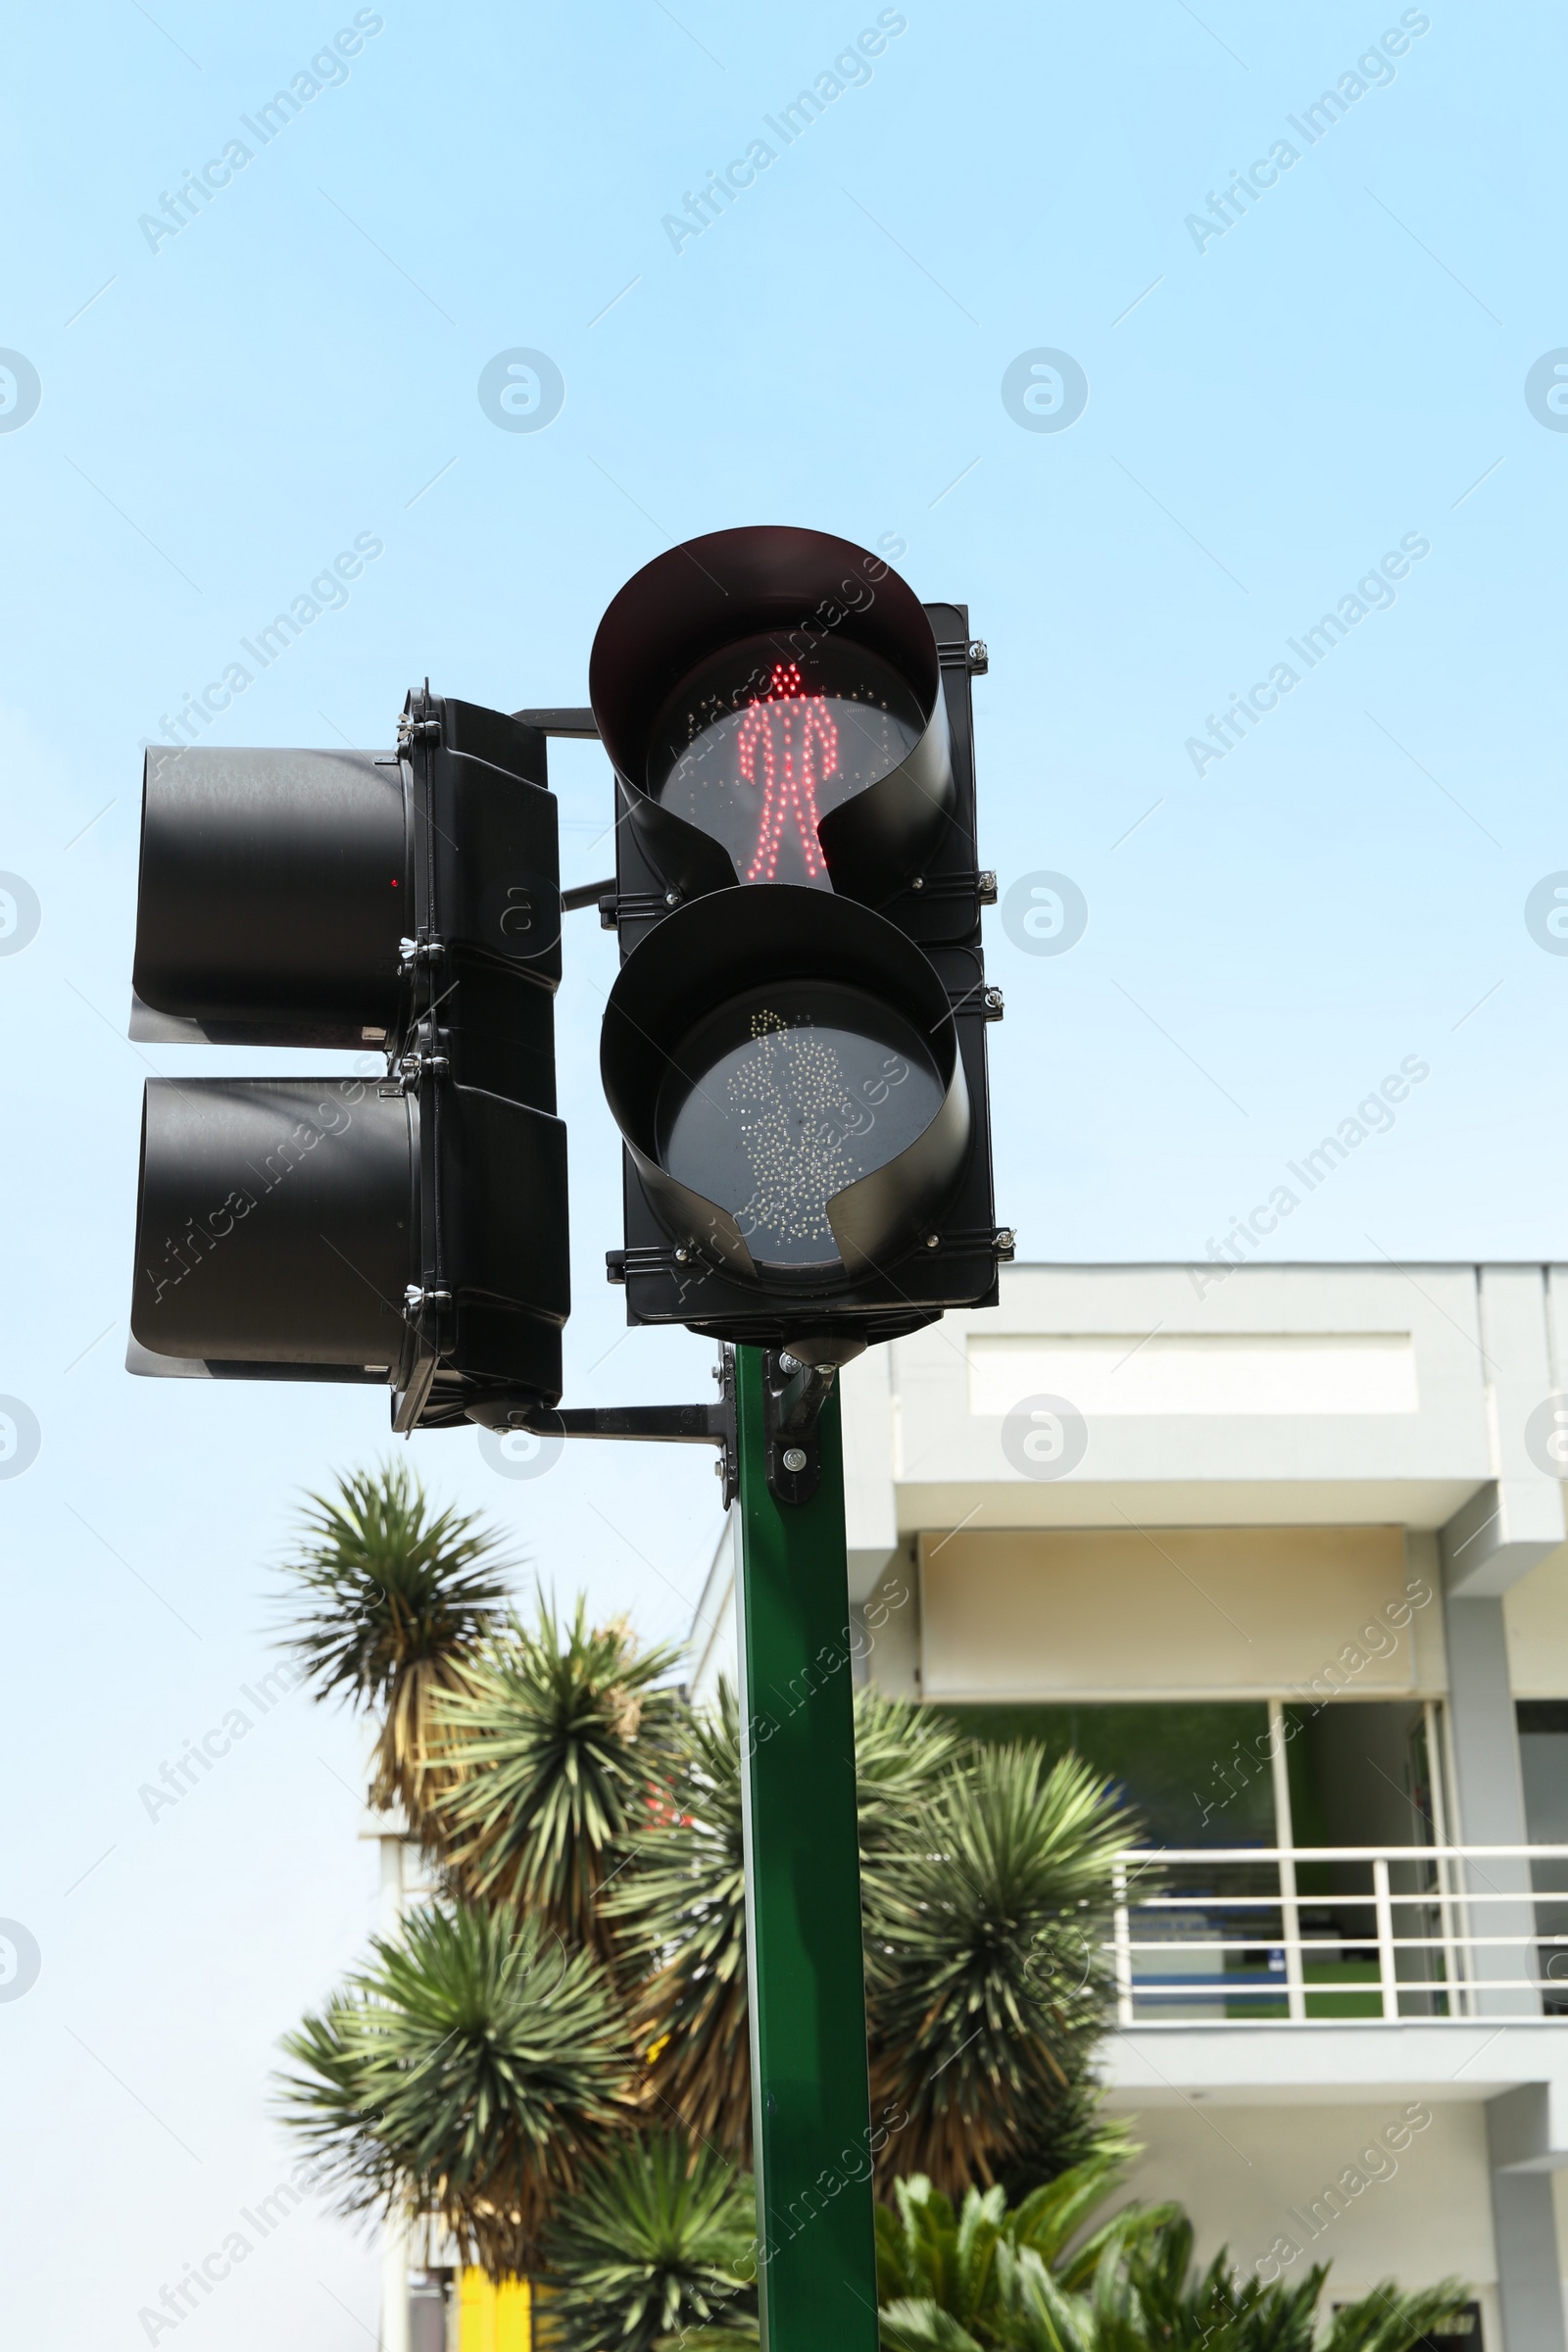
pixel 792 1101
pixel 785 726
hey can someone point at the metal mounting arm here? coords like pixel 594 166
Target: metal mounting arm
pixel 577 725
pixel 793 1397
pixel 638 1423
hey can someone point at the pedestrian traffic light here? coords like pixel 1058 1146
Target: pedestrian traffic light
pixel 795 1047
pixel 404 1226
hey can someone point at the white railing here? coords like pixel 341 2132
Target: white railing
pixel 1241 1935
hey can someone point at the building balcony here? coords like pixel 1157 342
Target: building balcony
pixel 1252 1935
pixel 1296 1977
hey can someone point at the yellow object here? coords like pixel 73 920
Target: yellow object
pixel 495 2318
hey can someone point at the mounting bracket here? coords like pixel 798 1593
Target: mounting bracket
pixel 793 1397
pixel 647 1424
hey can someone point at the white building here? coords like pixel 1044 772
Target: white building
pixel 1283 1549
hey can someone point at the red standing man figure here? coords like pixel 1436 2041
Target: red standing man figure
pixel 799 746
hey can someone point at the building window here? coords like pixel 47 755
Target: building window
pixel 1544 1766
pixel 1227 1778
pixel 1194 1775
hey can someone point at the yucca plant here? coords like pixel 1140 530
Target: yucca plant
pixel 984 1985
pixel 396 1601
pixel 682 1917
pixel 681 1921
pixel 904 1755
pixel 467 2074
pixel 558 1741
pixel 659 2243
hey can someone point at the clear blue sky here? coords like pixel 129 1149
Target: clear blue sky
pixel 1271 410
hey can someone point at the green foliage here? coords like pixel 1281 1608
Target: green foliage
pixel 559 1785
pixel 556 1743
pixel 904 1755
pixel 494 2066
pixel 1165 2299
pixel 927 2251
pixel 466 2073
pixel 984 1983
pixel 1131 2288
pixel 394 1601
pixel 680 1918
pixel 1056 2138
pixel 1390 2321
pixel 659 2240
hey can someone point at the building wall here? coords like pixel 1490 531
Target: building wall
pixel 1534 1616
pixel 1274 1394
pixel 893 1628
pixel 1105 1612
pixel 1423 1564
pixel 1559 2201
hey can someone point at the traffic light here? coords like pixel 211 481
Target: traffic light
pixel 406 1228
pixel 795 1047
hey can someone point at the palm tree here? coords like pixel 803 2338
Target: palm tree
pixel 680 1919
pixel 904 1755
pixel 658 2241
pixel 984 1987
pixel 682 1916
pixel 467 2074
pixel 396 1602
pixel 562 1782
pixel 555 1748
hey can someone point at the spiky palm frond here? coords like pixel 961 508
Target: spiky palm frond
pixel 1057 2138
pixel 1155 2296
pixel 680 1918
pixel 466 2073
pixel 1028 2311
pixel 554 1744
pixel 927 2251
pixel 1391 2319
pixel 903 1756
pixel 1144 2293
pixel 397 1600
pixel 984 1985
pixel 916 2326
pixel 1048 2220
pixel 658 2241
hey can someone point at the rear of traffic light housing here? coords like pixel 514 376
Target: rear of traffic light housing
pixel 795 1047
pixel 409 1228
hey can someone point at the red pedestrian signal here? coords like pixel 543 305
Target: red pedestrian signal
pixel 795 1049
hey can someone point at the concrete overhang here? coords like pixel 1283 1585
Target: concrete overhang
pixel 1503 1530
pixel 1522 2065
pixel 1422 1504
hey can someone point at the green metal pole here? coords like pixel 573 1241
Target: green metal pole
pixel 810 2104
